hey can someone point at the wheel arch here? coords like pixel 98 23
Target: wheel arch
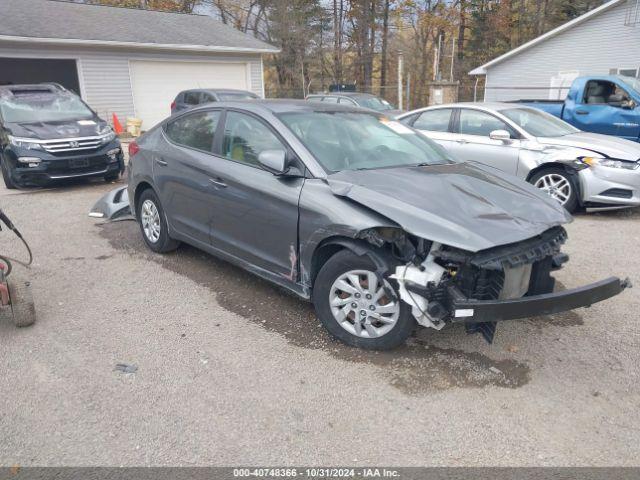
pixel 549 165
pixel 140 187
pixel 330 246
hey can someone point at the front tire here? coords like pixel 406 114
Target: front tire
pixel 6 175
pixel 355 308
pixel 559 185
pixel 153 223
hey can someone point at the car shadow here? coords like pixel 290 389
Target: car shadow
pixel 418 367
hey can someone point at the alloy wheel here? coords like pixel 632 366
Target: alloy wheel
pixel 555 185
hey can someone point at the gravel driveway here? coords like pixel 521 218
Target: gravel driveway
pixel 231 370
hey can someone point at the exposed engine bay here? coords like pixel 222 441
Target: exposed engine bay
pixel 436 280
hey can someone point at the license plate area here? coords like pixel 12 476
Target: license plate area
pixel 79 163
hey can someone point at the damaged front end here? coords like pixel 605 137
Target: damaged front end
pixel 445 285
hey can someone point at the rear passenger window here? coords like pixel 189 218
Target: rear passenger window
pixel 192 98
pixel 330 99
pixel 434 120
pixel 475 122
pixel 195 130
pixel 245 137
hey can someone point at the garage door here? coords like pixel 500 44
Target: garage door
pixel 156 84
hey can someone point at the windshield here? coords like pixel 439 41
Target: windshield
pixel 359 141
pixel 374 103
pixel 236 96
pixel 43 107
pixel 538 123
pixel 631 82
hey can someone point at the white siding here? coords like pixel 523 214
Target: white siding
pixel 104 75
pixel 590 48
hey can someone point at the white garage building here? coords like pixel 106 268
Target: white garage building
pixel 604 41
pixel 125 61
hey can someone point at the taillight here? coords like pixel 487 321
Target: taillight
pixel 173 105
pixel 133 149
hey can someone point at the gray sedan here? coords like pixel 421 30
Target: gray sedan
pixel 574 167
pixel 362 215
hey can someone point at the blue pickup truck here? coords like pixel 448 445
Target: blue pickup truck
pixel 608 104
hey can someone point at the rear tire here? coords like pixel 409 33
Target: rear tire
pixel 349 316
pixel 23 309
pixel 6 175
pixel 153 223
pixel 560 186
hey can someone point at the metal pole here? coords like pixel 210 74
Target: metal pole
pixel 400 79
pixel 408 90
pixel 453 52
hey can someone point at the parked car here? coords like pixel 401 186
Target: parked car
pixel 48 133
pixel 364 100
pixel 364 216
pixel 576 168
pixel 607 104
pixel 190 98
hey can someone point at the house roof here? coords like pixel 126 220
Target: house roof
pixel 482 70
pixel 64 22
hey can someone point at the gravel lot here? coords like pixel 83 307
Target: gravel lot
pixel 232 370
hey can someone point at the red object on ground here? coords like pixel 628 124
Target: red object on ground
pixel 133 149
pixel 117 126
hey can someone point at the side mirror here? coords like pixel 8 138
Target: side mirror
pixel 628 104
pixel 501 135
pixel 275 161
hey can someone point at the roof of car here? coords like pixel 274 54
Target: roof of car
pixel 217 90
pixel 342 94
pixel 286 106
pixel 35 88
pixel 478 105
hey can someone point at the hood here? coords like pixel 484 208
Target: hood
pixel 606 145
pixel 55 130
pixel 460 205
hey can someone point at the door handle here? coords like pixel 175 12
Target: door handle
pixel 218 182
pixel 582 112
pixel 462 141
pixel 162 163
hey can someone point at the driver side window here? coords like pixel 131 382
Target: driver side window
pixel 245 137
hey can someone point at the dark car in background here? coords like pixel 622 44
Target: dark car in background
pixel 355 99
pixel 361 214
pixel 48 133
pixel 191 98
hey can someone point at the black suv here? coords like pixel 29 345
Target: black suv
pixel 191 98
pixel 48 133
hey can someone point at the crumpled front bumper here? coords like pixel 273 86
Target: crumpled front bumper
pixel 467 310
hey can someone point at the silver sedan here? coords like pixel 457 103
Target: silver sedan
pixel 576 168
